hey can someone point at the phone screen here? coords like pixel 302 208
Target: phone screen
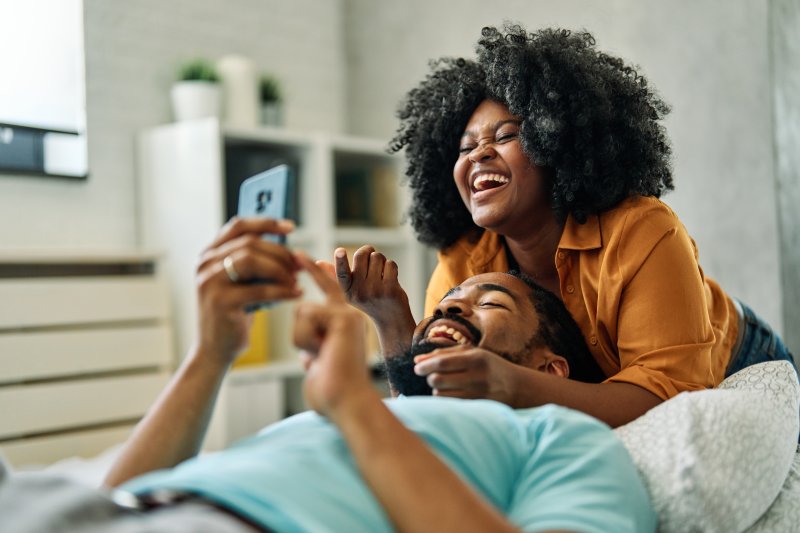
pixel 267 195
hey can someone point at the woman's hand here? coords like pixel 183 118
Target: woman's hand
pixel 238 270
pixel 470 372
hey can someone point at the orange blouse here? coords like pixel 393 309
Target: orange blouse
pixel 630 277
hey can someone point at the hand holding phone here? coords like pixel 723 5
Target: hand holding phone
pixel 266 194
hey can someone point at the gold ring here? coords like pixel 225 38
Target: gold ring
pixel 230 270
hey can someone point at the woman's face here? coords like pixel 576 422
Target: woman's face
pixel 500 186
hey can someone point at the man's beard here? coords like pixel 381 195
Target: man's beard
pixel 399 370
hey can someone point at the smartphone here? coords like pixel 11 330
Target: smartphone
pixel 267 194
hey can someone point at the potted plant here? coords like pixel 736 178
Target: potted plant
pixel 271 101
pixel 196 94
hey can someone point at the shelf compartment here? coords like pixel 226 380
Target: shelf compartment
pixel 366 187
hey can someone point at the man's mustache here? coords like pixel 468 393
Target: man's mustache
pixel 473 331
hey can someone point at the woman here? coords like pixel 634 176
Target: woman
pixel 548 156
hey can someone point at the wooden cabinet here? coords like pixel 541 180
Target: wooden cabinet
pixel 348 193
pixel 86 345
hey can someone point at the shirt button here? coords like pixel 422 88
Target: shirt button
pixel 593 340
pixel 570 289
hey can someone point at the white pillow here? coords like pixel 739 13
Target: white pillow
pixel 714 460
pixel 784 513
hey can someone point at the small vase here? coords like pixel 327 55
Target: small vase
pixel 272 114
pixel 195 99
pixel 239 91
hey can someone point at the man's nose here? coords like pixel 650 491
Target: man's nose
pixel 454 307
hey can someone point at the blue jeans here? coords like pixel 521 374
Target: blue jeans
pixel 759 344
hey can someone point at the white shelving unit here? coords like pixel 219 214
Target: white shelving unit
pixel 189 176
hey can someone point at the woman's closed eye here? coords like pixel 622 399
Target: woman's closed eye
pixel 501 138
pixel 505 137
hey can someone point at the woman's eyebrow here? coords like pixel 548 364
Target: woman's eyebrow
pixel 496 126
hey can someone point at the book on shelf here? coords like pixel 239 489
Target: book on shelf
pixel 367 196
pixel 257 351
pixel 385 189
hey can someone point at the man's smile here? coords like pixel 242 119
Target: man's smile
pixel 450 329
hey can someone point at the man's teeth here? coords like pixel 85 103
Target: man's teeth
pixel 487 181
pixel 442 331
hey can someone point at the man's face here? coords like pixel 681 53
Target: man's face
pixel 491 311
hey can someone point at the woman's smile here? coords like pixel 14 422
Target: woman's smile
pixel 485 181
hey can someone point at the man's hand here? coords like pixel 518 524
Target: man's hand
pixel 237 256
pixel 332 337
pixel 372 286
pixel 470 372
pixel 173 429
pixel 389 456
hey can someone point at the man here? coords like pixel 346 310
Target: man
pixel 551 342
pixel 357 463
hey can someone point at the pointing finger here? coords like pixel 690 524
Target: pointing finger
pixel 327 267
pixel 328 285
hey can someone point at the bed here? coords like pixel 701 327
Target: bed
pixel 721 460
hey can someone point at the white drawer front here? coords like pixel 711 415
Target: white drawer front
pixel 30 409
pixel 32 355
pixel 49 449
pixel 62 301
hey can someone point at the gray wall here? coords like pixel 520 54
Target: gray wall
pixel 785 26
pixel 709 59
pixel 133 50
pixel 346 63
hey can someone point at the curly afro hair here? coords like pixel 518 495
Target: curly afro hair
pixel 587 117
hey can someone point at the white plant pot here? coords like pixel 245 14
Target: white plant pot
pixel 272 114
pixel 239 91
pixel 195 99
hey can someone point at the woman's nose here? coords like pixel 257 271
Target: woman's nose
pixel 482 152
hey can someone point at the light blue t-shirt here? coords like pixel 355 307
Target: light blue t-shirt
pixel 544 468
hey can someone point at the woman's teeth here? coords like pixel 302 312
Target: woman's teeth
pixel 489 181
pixel 446 331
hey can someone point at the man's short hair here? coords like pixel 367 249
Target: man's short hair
pixel 560 333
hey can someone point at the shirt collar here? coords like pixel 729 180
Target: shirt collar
pixel 585 236
pixel 485 252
